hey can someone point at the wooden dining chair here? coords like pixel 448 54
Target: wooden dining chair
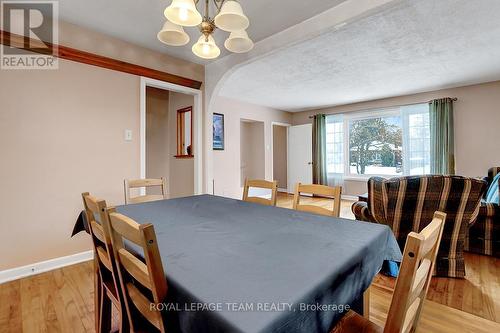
pixel 106 283
pixel 415 275
pixel 263 184
pixel 147 183
pixel 142 279
pixel 334 193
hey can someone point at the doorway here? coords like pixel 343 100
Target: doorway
pixel 252 152
pixel 184 174
pixel 279 151
pixel 157 137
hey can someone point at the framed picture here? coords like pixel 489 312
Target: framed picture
pixel 218 132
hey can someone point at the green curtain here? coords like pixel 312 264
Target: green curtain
pixel 319 150
pixel 442 136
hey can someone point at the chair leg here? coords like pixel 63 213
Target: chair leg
pixel 366 304
pixel 106 313
pixel 97 296
pixel 124 324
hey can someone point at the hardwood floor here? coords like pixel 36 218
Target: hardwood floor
pixel 57 301
pixel 478 293
pixel 436 318
pixel 62 300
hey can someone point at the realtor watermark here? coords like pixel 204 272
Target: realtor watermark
pixel 30 36
pixel 249 307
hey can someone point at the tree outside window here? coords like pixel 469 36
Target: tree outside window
pixel 375 146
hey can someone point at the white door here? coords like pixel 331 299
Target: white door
pixel 299 155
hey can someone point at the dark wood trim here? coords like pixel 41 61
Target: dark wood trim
pixel 68 53
pixel 180 131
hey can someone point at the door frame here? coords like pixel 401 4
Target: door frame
pixel 287 125
pixel 197 126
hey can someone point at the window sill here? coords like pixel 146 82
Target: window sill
pixel 357 179
pixel 365 178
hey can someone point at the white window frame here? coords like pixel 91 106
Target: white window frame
pixel 343 142
pixel 406 144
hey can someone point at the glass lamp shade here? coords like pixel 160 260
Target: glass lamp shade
pixel 184 13
pixel 173 34
pixel 231 17
pixel 206 49
pixel 238 42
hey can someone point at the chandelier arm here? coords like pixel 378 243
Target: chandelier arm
pixel 218 4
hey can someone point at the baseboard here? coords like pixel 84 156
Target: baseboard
pixel 44 266
pixel 349 197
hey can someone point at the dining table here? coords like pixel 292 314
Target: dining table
pixel 235 266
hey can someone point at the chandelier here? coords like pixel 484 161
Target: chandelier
pixel 230 18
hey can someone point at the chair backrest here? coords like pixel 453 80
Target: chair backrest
pixel 142 279
pixel 103 248
pixel 334 193
pixel 263 184
pixel 408 204
pixel 415 275
pixel 147 183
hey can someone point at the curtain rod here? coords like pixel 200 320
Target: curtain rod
pixel 393 106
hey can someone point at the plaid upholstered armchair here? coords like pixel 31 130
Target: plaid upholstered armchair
pixel 483 236
pixel 407 204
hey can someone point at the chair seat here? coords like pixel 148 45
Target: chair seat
pixel 354 323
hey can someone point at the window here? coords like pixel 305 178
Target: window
pixel 391 142
pixel 418 140
pixel 334 144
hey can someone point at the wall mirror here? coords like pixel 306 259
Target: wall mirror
pixel 185 133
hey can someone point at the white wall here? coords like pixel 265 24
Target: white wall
pixel 477 126
pixel 217 72
pixel 252 151
pixel 226 163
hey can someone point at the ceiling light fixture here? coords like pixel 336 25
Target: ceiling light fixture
pixel 230 18
pixel 173 34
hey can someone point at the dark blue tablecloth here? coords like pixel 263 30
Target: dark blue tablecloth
pixel 260 269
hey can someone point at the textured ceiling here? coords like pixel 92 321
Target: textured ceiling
pixel 412 47
pixel 138 21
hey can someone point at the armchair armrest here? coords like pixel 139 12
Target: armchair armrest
pixel 483 236
pixel 488 210
pixel 361 212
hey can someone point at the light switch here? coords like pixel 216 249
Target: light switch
pixel 128 135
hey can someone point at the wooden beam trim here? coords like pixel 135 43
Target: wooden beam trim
pixel 68 53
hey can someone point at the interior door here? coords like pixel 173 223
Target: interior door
pixel 299 155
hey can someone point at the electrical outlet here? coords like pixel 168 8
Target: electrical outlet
pixel 128 135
